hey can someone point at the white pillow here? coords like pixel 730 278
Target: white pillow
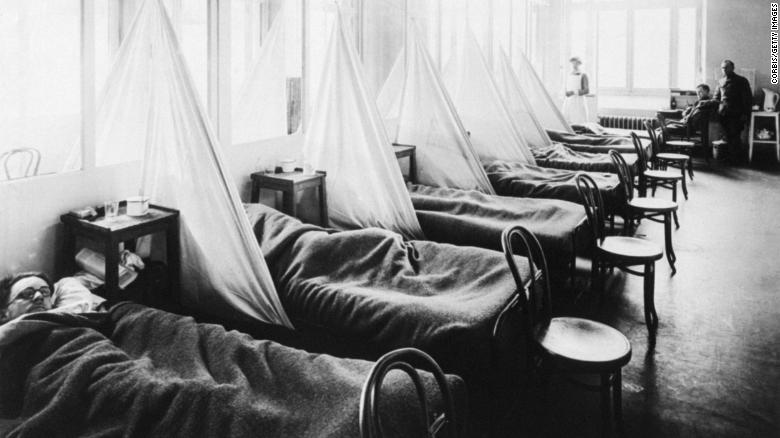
pixel 70 295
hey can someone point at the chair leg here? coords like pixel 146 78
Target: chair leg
pixel 684 185
pixel 676 222
pixel 690 165
pixel 617 400
pixel 674 191
pixel 606 414
pixel 670 256
pixel 651 317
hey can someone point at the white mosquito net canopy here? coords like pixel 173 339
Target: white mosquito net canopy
pixel 494 132
pixel 260 106
pixel 150 108
pixel 547 112
pixel 518 104
pixel 346 138
pixel 427 119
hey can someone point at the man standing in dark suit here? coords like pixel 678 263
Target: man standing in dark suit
pixel 736 101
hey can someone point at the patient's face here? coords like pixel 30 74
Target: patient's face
pixel 30 294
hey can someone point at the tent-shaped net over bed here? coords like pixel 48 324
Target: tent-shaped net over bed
pixel 150 108
pixel 345 137
pixel 546 111
pixel 427 119
pixel 260 106
pixel 494 132
pixel 518 104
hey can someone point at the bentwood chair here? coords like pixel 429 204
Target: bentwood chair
pixel 654 209
pixel 661 159
pixel 567 344
pixel 648 176
pixel 621 252
pixel 402 359
pixel 20 162
pixel 680 147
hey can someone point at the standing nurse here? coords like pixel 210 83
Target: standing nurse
pixel 574 108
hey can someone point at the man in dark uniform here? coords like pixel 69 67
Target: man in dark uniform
pixel 736 101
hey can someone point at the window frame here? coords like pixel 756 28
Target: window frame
pixel 593 7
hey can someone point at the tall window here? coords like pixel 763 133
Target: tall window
pixel 637 47
pixel 265 65
pixel 40 80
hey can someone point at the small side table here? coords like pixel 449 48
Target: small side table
pixel 113 231
pixel 760 121
pixel 410 151
pixel 289 183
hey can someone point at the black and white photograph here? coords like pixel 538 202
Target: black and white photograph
pixel 390 218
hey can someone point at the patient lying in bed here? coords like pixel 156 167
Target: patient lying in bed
pixel 31 292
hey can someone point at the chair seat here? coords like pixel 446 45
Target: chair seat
pixel 583 343
pixel 630 250
pixel 680 144
pixel 671 156
pixel 653 204
pixel 663 174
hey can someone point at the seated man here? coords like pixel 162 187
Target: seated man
pixel 30 292
pixel 694 114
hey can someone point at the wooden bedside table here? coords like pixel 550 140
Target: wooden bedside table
pixel 407 151
pixel 289 183
pixel 764 121
pixel 113 231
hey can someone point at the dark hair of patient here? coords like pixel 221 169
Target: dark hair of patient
pixel 7 282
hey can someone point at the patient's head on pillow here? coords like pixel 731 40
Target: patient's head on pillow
pixel 24 293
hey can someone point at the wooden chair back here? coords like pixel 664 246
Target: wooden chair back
pixel 624 174
pixel 25 159
pixel 402 359
pixel 594 205
pixel 537 298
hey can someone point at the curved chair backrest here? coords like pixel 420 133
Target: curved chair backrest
pixel 624 174
pixel 661 139
pixel 656 138
pixel 400 359
pixel 28 160
pixel 641 162
pixel 594 205
pixel 537 295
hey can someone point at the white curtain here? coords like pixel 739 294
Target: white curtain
pixel 470 82
pixel 260 106
pixel 427 119
pixel 346 138
pixel 547 111
pixel 150 108
pixel 518 104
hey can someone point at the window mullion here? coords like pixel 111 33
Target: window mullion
pixel 674 29
pixel 630 49
pixel 88 112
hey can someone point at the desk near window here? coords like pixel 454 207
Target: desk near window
pixel 290 183
pixel 110 232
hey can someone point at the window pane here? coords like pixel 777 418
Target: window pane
pixel 265 68
pixel 383 39
pixel 612 48
pixel 579 34
pixel 40 80
pixel 651 48
pixel 190 18
pixel 686 48
pixel 502 27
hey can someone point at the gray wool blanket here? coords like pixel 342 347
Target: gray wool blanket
pixel 371 289
pixel 469 217
pixel 527 181
pixel 142 372
pixel 559 156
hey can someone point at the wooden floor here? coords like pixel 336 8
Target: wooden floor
pixel 714 370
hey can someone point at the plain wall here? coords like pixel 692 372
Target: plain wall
pixel 30 208
pixel 737 30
